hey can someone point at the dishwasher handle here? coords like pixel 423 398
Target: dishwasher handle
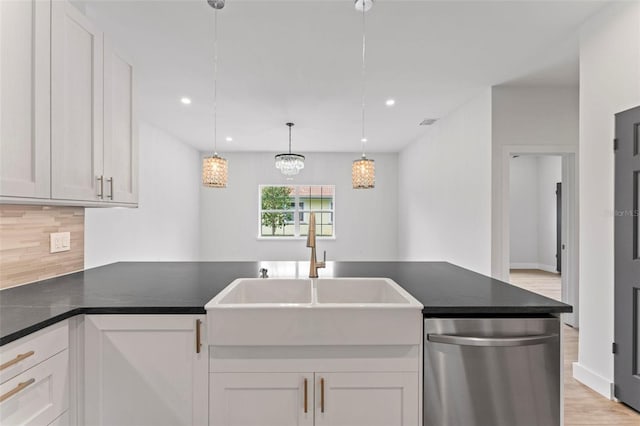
pixel 491 341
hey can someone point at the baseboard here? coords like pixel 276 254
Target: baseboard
pixel 592 380
pixel 538 266
pixel 524 266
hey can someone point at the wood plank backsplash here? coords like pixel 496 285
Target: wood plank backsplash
pixel 24 242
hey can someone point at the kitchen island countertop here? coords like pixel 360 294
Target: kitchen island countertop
pixel 185 287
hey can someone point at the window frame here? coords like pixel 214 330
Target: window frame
pixel 298 213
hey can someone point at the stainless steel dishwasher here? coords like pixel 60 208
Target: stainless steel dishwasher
pixel 492 372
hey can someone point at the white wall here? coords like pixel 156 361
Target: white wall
pixel 533 220
pixel 165 225
pixel 609 83
pixel 527 117
pixel 366 220
pixel 444 186
pixel 523 193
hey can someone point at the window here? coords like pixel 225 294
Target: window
pixel 284 210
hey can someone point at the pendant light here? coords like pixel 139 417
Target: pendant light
pixel 363 170
pixel 289 163
pixel 215 168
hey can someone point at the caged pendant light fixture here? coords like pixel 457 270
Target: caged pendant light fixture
pixel 363 170
pixel 214 168
pixel 289 163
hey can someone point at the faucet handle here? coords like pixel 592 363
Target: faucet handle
pixel 324 256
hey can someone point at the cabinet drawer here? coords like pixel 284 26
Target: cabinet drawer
pixel 20 355
pixel 37 396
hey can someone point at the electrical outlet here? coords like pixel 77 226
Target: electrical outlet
pixel 59 241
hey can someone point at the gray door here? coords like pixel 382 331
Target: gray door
pixel 627 258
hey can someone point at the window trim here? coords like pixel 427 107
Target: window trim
pixel 296 211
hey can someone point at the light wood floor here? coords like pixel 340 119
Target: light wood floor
pixel 582 406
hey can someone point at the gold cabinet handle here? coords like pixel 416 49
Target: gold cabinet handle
pixel 198 338
pixel 305 395
pixel 101 193
pixel 17 389
pixel 16 360
pixel 110 180
pixel 322 395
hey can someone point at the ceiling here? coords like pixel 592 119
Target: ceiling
pixel 300 61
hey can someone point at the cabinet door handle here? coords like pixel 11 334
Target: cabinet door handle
pixel 305 395
pixel 16 360
pixel 322 395
pixel 101 193
pixel 17 389
pixel 110 180
pixel 198 339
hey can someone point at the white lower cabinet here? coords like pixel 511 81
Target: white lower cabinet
pixel 297 399
pixel 145 370
pixel 264 399
pixel 367 399
pixel 34 379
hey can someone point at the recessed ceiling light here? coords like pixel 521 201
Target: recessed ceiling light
pixel 229 139
pixel 363 140
pixel 185 100
pixel 390 102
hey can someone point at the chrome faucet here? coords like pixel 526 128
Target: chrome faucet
pixel 314 265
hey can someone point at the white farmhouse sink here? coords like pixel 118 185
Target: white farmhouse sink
pixel 361 291
pixel 251 291
pixel 305 312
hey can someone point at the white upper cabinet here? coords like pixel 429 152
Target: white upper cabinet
pixel 76 105
pixel 68 132
pixel 120 132
pixel 25 99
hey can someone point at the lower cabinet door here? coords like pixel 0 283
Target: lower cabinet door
pixel 261 399
pixel 367 399
pixel 145 370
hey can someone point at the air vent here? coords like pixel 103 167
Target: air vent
pixel 428 121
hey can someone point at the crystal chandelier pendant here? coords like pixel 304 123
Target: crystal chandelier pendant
pixel 214 171
pixel 363 170
pixel 363 173
pixel 289 163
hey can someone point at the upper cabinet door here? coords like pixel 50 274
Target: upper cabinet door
pixel 120 131
pixel 76 107
pixel 25 98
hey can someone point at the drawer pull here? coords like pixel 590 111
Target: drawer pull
pixel 20 387
pixel 16 360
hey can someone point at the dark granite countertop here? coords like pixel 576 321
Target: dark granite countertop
pixel 185 287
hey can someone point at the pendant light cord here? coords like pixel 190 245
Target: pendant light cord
pixel 289 139
pixel 215 81
pixel 362 139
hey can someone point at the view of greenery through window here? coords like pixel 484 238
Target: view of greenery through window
pixel 284 210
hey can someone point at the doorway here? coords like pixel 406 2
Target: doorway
pixel 535 221
pixel 547 238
